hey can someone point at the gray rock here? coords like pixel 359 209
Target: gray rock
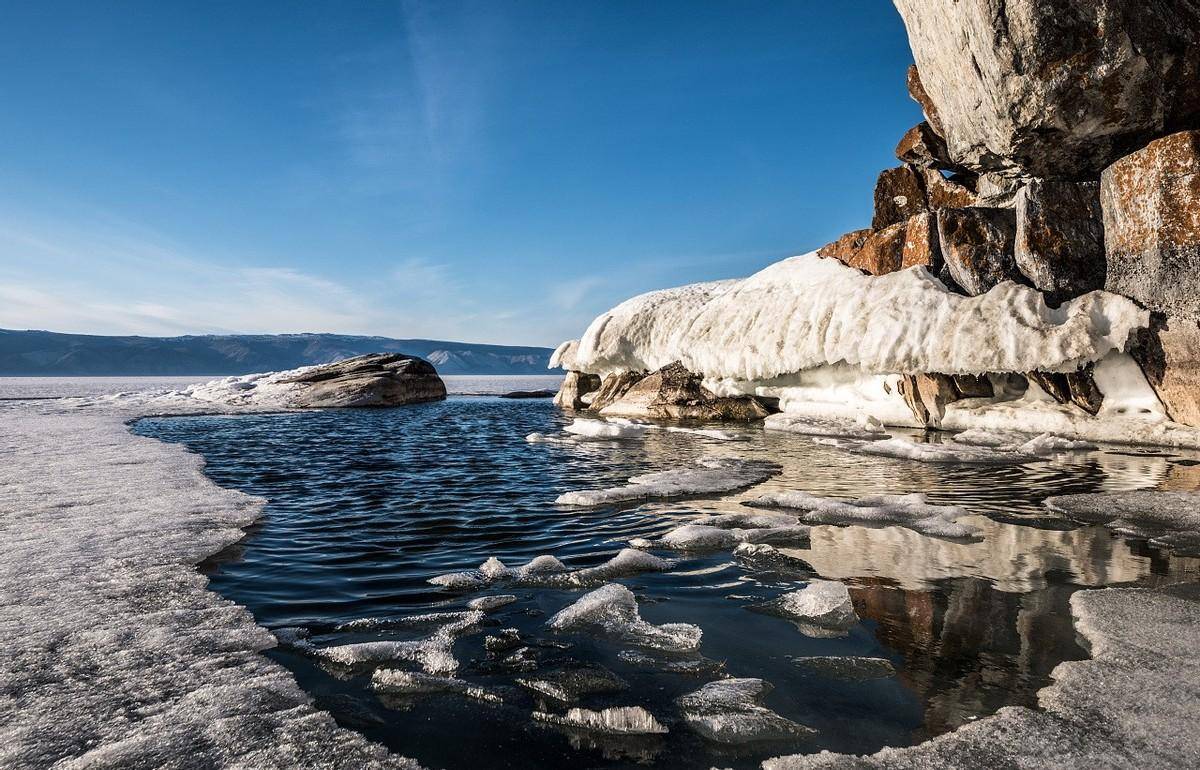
pixel 1054 88
pixel 373 380
pixel 1151 202
pixel 1060 238
pixel 977 244
pixel 574 387
pixel 674 393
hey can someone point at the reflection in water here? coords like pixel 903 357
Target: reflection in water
pixel 366 506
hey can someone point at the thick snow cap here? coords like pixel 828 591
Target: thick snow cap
pixel 808 311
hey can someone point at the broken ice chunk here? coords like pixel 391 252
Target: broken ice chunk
pixel 431 653
pixel 569 685
pixel 612 610
pixel 711 476
pixel 618 720
pixel 489 603
pixel 692 665
pixel 850 667
pixel 761 557
pixel 398 682
pixel 822 603
pixel 729 711
pixel 606 428
pixel 1167 519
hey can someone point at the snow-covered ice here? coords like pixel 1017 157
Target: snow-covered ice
pixel 697 537
pixel 912 511
pixel 807 311
pixel 708 477
pixel 730 711
pixel 589 428
pixel 868 429
pixel 618 720
pixel 102 534
pixel 1169 519
pixel 612 611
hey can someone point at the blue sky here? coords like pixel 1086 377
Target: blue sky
pixel 494 171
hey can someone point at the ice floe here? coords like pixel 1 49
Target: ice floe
pixel 912 511
pixel 697 537
pixel 688 665
pixel 708 477
pixel 729 711
pixel 760 557
pixel 606 428
pixel 431 653
pixel 394 681
pixel 823 605
pixel 617 720
pixel 1169 519
pixel 612 611
pixel 547 571
pixel 489 603
pixel 865 429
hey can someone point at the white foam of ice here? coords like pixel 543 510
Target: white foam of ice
pixel 612 611
pixel 548 571
pixel 707 477
pixel 912 511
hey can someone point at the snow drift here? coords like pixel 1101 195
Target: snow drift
pixel 807 311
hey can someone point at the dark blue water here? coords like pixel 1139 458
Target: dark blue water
pixel 366 506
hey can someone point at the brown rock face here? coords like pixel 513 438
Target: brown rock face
pixel 373 380
pixel 921 147
pixel 921 243
pixel 1076 388
pixel 1054 88
pixel 674 393
pixel 917 91
pixel 943 193
pixel 882 252
pixel 1169 354
pixel 845 247
pixel 927 396
pixel 1060 238
pixel 574 387
pixel 1151 203
pixel 899 194
pixel 977 244
pixel 613 387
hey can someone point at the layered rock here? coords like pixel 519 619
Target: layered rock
pixel 374 380
pixel 1053 88
pixel 613 387
pixel 977 245
pixel 1151 202
pixel 674 393
pixel 1060 237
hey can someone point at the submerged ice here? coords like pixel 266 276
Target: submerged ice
pixel 730 711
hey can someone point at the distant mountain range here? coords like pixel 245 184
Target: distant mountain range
pixel 33 353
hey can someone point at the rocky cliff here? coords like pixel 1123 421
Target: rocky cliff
pixel 1042 225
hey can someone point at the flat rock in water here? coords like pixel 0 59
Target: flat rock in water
pixel 519 394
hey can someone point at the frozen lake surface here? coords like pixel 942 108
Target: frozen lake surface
pixel 366 507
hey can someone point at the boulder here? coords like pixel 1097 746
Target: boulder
pixel 612 387
pixel 921 243
pixel 1050 88
pixel 674 393
pixel 882 252
pixel 1169 355
pixel 997 191
pixel 1078 388
pixel 1151 204
pixel 1059 245
pixel 952 193
pixel 899 194
pixel 977 244
pixel 921 147
pixel 373 380
pixel 574 387
pixel 845 247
